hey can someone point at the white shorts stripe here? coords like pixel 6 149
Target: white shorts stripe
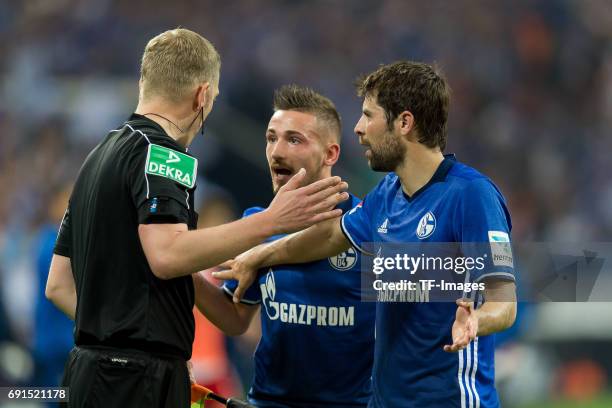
pixel 473 376
pixel 466 375
pixel 460 378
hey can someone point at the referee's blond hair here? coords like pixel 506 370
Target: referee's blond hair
pixel 174 62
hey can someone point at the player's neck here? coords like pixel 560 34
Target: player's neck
pixel 418 167
pixel 173 119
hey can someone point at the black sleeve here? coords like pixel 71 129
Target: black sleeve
pixel 63 243
pixel 159 200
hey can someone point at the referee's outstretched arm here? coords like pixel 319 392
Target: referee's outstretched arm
pixel 173 251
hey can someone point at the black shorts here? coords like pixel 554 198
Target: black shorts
pixel 108 378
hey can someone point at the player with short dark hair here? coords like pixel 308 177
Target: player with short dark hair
pixel 426 354
pixel 317 339
pixel 414 87
pixel 128 245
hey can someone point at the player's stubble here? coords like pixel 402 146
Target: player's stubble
pixel 387 153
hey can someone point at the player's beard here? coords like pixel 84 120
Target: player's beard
pixel 387 154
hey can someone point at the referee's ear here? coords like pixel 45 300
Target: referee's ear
pixel 202 97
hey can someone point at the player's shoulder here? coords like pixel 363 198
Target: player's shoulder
pixel 252 210
pixel 388 183
pixel 349 204
pixel 469 181
pixel 353 200
pixel 389 179
pixel 461 172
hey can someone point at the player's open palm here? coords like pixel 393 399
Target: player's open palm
pixel 465 327
pixel 295 207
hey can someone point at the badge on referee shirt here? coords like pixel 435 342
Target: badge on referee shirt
pixel 171 164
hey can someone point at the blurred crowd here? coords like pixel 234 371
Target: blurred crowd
pixel 531 104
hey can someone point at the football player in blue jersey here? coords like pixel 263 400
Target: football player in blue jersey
pixel 317 344
pixel 426 354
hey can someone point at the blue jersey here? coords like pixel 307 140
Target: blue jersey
pixel 410 367
pixel 317 343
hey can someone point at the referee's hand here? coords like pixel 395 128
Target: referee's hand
pixel 295 207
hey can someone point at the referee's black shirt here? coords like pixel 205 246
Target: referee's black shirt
pixel 120 303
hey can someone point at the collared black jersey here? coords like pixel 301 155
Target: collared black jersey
pixel 136 175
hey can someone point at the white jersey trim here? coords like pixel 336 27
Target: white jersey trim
pixel 145 168
pixel 506 275
pixel 350 238
pixel 245 301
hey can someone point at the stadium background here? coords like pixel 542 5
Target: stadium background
pixel 531 107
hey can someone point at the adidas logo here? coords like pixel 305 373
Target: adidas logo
pixel 383 228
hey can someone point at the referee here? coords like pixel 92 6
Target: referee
pixel 128 245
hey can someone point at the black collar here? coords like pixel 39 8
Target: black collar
pixel 142 120
pixel 438 176
pixel 143 123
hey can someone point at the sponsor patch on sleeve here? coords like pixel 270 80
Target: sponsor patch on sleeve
pixel 501 249
pixel 171 164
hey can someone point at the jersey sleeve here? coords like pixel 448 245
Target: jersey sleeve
pixel 252 296
pixel 356 224
pixel 484 231
pixel 63 243
pixel 159 199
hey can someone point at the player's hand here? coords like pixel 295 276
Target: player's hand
pixel 295 207
pixel 241 269
pixel 465 327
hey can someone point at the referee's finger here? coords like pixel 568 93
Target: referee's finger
pixel 328 192
pixel 328 215
pixel 331 202
pixel 296 181
pixel 320 185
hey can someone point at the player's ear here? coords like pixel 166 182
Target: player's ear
pixel 332 153
pixel 405 122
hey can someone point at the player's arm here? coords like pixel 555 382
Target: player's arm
pixel 172 251
pixel 484 218
pixel 498 312
pixel 317 242
pixel 60 287
pixel 231 318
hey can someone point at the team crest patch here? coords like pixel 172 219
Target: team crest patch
pixel 427 226
pixel 171 164
pixel 345 260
